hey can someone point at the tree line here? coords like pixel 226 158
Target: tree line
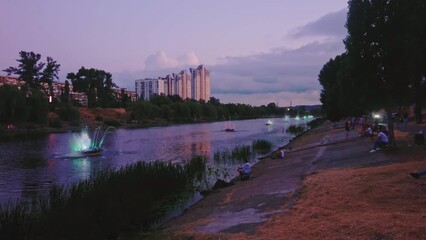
pixel 384 65
pixel 29 103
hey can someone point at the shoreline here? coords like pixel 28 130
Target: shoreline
pixel 269 206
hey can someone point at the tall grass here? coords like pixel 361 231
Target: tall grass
pixel 261 146
pixel 316 122
pixel 296 129
pixel 237 153
pixel 102 206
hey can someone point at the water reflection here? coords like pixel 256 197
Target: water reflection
pixel 32 165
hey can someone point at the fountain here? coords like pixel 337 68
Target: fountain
pixel 83 144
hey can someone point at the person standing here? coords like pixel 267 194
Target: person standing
pixel 405 118
pixel 347 128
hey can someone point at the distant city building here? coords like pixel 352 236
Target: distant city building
pixel 183 85
pixel 6 80
pixel 146 88
pixel 195 85
pixel 200 81
pixel 58 88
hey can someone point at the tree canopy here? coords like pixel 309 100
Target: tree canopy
pixel 33 72
pixel 96 84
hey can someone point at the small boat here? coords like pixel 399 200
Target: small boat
pixel 269 122
pixel 92 152
pixel 229 130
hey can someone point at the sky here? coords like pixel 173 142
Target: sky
pixel 258 51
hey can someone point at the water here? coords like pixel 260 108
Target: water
pixel 31 165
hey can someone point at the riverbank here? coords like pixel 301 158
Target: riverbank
pixel 326 187
pixel 89 117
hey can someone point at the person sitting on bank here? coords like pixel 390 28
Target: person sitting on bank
pixel 381 141
pixel 368 132
pixel 245 171
pixel 417 175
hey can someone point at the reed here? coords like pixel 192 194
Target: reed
pixel 238 153
pixel 261 146
pixel 105 204
pixel 316 122
pixel 295 129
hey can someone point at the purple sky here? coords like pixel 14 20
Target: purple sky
pixel 258 51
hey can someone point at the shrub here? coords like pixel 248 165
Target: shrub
pixel 55 123
pixel 112 122
pixel 261 146
pixel 295 129
pixel 316 122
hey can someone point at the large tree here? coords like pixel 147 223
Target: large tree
pixel 96 84
pixel 374 47
pixel 49 74
pixel 330 94
pixel 34 72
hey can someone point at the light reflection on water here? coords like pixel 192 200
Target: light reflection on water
pixel 31 165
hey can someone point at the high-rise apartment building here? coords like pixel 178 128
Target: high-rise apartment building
pixel 183 85
pixel 195 85
pixel 146 88
pixel 200 83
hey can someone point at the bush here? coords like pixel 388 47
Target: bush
pixel 112 122
pixel 316 122
pixel 295 129
pixel 69 113
pixel 261 146
pixel 99 118
pixel 55 123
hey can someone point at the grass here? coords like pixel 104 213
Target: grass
pixel 237 153
pixel 104 205
pixel 261 146
pixel 316 122
pixel 295 129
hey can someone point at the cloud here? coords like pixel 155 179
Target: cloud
pixel 160 60
pixel 330 25
pixel 281 70
pixel 280 75
pixel 188 59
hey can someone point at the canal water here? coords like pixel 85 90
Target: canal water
pixel 30 166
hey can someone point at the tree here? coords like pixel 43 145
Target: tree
pixel 65 94
pixel 374 48
pixel 48 75
pixel 12 105
pixel 38 107
pixel 31 71
pixel 96 84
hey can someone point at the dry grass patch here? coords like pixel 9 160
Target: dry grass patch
pixel 367 203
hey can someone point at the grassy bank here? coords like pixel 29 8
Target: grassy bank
pixel 135 197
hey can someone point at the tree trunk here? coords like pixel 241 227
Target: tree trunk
pixel 392 142
pixel 418 106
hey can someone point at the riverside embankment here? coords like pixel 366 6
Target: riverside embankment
pixel 326 187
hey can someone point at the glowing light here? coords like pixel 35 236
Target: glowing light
pixel 376 115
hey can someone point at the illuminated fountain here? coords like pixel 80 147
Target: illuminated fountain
pixel 83 144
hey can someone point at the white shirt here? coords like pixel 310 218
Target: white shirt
pixel 369 131
pixel 382 137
